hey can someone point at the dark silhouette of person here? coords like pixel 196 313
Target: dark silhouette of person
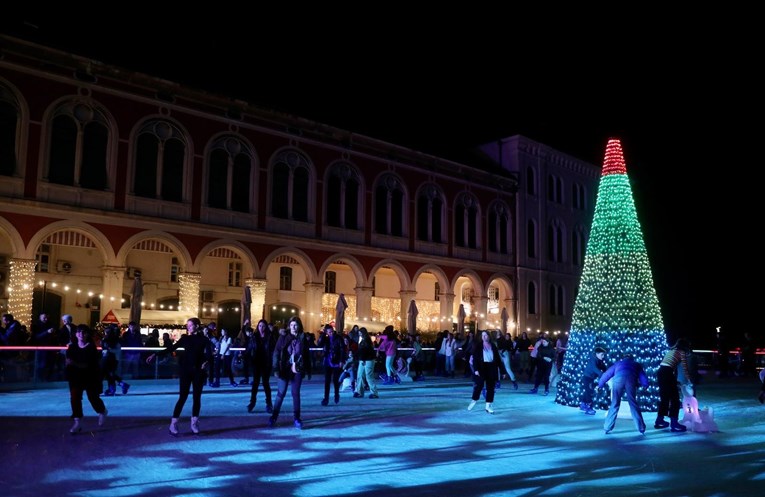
pixel 292 362
pixel 192 371
pixel 259 354
pixel 669 394
pixel 627 374
pixel 83 373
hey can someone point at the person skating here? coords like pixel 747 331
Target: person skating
pixel 192 371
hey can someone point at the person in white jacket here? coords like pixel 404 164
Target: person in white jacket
pixel 448 349
pixel 227 357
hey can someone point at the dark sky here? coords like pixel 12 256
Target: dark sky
pixel 681 99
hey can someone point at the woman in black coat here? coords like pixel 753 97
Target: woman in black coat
pixel 192 371
pixel 292 362
pixel 335 354
pixel 485 359
pixel 83 372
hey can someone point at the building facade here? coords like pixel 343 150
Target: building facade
pixel 107 174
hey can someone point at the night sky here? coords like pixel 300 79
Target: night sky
pixel 680 99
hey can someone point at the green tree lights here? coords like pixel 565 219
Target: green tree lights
pixel 616 307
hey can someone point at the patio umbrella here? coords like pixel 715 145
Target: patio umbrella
pixel 135 302
pixel 411 320
pixel 461 319
pixel 340 308
pixel 246 302
pixel 504 318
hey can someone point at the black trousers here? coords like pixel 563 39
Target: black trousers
pixel 187 381
pixel 260 373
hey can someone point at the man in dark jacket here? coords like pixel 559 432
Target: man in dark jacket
pixel 626 374
pixel 595 368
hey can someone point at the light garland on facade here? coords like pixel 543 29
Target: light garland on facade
pixel 21 289
pixel 384 309
pixel 188 293
pixel 387 310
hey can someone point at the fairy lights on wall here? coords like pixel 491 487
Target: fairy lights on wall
pixel 21 288
pixel 387 310
pixel 188 293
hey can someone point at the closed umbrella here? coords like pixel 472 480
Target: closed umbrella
pixel 246 302
pixel 411 320
pixel 461 319
pixel 135 302
pixel 504 318
pixel 340 308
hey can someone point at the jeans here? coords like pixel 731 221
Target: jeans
pixel 366 370
pixel 624 385
pixel 295 380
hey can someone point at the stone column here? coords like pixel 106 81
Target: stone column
pixel 447 310
pixel 188 294
pixel 112 288
pixel 406 297
pixel 312 311
pixel 512 316
pixel 363 302
pixel 258 293
pixel 481 308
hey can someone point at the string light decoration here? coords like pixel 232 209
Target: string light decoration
pixel 616 307
pixel 188 293
pixel 385 310
pixel 328 304
pixel 20 290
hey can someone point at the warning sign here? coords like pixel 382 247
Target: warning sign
pixel 110 318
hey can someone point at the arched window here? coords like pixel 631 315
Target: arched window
pixel 160 158
pixel 531 181
pixel 175 270
pixel 343 196
pixel 10 118
pixel 577 196
pixel 531 298
pixel 78 147
pixel 330 282
pixel 430 214
pixel 499 228
pixel 578 247
pixel 235 273
pixel 556 300
pixel 554 189
pixel 555 241
pixel 289 186
pixel 389 206
pixel 552 299
pixel 531 238
pixel 466 221
pixel 229 175
pixel 285 278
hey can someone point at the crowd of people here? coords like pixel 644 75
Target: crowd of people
pixel 290 354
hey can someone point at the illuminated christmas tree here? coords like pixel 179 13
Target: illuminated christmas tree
pixel 616 307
